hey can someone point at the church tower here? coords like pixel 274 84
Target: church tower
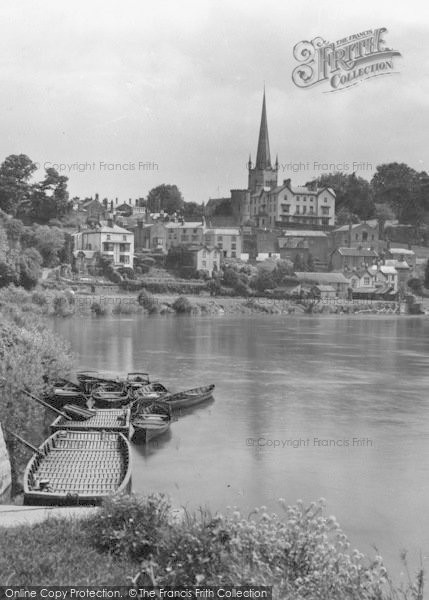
pixel 262 174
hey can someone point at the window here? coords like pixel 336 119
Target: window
pixel 325 210
pixel 195 231
pixel 325 200
pixel 233 255
pixel 366 280
pixel 124 247
pixel 305 198
pixel 297 198
pixel 108 246
pixel 204 263
pixel 233 246
pixel 108 236
pixel 304 210
pixel 297 210
pixel 234 238
pixel 124 237
pixel 220 238
pixel 311 210
pixel 286 208
pixel 123 258
pixel 204 253
pixel 356 237
pixel 365 236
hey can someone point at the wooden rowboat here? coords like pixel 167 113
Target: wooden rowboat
pixel 189 398
pixel 151 391
pixel 150 419
pixel 100 420
pixel 75 467
pixel 110 398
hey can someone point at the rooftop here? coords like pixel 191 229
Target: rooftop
pixel 353 226
pixel 304 233
pixel 357 252
pixel 322 278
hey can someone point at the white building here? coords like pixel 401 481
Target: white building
pixel 226 239
pixel 107 239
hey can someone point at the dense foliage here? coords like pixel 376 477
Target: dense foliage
pixel 31 357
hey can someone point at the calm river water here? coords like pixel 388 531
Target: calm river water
pixel 286 378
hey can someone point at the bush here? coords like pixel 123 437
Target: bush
pixel 147 300
pixel 39 298
pixel 302 555
pixel 182 305
pixel 130 526
pixel 416 285
pixel 241 289
pixel 131 285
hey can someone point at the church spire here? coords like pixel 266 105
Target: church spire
pixel 263 159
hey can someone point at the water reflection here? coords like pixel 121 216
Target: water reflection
pixel 286 378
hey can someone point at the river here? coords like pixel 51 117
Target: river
pixel 359 384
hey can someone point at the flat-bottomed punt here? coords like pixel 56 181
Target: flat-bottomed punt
pixel 114 419
pixel 76 467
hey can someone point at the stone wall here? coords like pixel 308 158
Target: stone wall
pixel 5 475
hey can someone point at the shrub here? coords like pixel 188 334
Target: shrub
pixel 146 300
pixel 131 285
pixel 61 305
pixel 39 298
pixel 182 305
pixel 130 526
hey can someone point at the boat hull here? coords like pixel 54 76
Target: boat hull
pixel 75 468
pixel 103 420
pixel 189 398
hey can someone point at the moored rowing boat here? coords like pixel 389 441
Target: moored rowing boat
pixel 189 398
pixel 73 467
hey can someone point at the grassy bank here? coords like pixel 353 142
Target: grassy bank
pixel 301 552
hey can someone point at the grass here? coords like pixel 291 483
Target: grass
pixel 303 553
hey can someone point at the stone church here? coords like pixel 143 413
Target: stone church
pixel 266 205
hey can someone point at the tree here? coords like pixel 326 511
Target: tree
pixel 400 187
pixel 50 197
pixel 298 264
pixel 30 263
pixel 310 263
pixel 192 211
pixel 165 197
pixel 49 241
pixel 427 275
pixel 353 194
pixel 15 189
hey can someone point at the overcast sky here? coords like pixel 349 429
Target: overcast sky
pixel 179 84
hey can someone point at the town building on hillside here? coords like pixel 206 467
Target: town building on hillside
pixel 105 239
pixel 141 235
pixel 338 281
pixel 403 270
pixel 378 281
pixel 343 259
pixel 266 204
pixel 167 234
pixel 304 243
pixel 266 245
pixel 226 239
pixel 93 209
pixel 195 258
pixel 355 235
pixel 402 254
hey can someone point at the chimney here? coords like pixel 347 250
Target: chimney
pixel 350 234
pixel 286 182
pixel 109 222
pixel 96 196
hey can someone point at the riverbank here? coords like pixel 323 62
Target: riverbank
pixel 134 542
pixel 66 303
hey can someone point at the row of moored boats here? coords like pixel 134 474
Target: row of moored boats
pixel 88 456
